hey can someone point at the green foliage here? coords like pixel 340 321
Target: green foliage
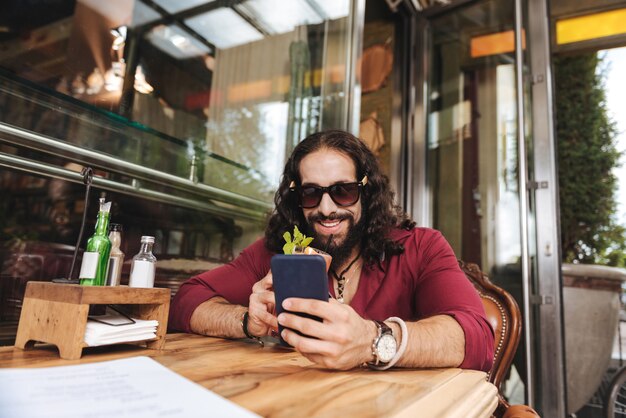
pixel 587 154
pixel 299 240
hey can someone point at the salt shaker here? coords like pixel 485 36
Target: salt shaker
pixel 144 265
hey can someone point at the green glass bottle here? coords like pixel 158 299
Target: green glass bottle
pixel 93 270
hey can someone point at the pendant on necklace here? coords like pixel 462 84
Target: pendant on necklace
pixel 340 286
pixel 341 279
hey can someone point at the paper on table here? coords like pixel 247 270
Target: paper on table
pixel 120 339
pixel 97 333
pixel 137 387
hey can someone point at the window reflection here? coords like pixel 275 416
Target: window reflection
pixel 472 142
pixel 224 28
pixel 186 108
pixel 473 136
pixel 227 86
pixel 174 6
pixel 176 42
pixel 279 16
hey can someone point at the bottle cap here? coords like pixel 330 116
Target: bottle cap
pixel 147 239
pixel 116 227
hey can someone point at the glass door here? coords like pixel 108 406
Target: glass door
pixel 484 169
pixel 472 154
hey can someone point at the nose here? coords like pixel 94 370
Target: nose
pixel 327 206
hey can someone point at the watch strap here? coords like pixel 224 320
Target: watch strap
pixel 383 328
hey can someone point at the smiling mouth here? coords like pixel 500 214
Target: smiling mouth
pixel 329 224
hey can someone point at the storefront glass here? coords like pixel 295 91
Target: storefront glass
pixel 473 149
pixel 203 91
pixel 184 109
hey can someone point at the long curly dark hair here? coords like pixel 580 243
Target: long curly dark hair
pixel 379 212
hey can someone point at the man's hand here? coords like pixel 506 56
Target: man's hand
pixel 342 341
pixel 261 312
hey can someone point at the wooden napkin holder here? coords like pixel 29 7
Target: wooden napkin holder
pixel 57 313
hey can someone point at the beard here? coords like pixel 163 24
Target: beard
pixel 339 250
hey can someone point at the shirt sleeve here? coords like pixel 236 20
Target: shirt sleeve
pixel 232 281
pixel 443 289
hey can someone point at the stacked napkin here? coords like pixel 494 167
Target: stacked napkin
pixel 98 333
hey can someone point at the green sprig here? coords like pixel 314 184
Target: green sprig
pixel 299 240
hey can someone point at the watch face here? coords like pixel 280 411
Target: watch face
pixel 386 348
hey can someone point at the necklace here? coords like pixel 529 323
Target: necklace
pixel 341 279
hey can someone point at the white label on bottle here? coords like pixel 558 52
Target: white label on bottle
pixel 141 274
pixel 89 266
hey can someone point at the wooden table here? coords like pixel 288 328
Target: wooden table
pixel 277 382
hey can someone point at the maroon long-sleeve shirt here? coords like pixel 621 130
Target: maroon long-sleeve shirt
pixel 425 280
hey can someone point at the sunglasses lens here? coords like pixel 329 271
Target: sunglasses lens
pixel 345 194
pixel 310 197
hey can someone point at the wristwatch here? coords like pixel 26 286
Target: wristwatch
pixel 384 346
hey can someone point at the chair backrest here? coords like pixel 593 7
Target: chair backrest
pixel 505 318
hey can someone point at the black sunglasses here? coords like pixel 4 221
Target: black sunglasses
pixel 343 194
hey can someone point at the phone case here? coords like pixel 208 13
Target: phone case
pixel 298 275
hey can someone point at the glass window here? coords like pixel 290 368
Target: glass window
pixel 190 88
pixel 185 110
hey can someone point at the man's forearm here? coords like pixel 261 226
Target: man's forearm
pixel 218 318
pixel 438 341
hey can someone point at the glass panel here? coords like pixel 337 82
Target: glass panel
pixel 143 14
pixel 175 6
pixel 472 157
pixel 185 109
pixel 176 42
pixel 279 16
pixel 192 89
pixel 224 28
pixel 334 9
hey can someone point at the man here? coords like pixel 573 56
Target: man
pixel 383 269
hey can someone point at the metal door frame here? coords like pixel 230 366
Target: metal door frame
pixel 547 298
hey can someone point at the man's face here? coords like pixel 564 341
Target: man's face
pixel 324 168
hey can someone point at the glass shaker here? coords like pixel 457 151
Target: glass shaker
pixel 144 265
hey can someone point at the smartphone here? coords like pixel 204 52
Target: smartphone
pixel 300 276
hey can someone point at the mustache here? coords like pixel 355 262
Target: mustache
pixel 316 217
